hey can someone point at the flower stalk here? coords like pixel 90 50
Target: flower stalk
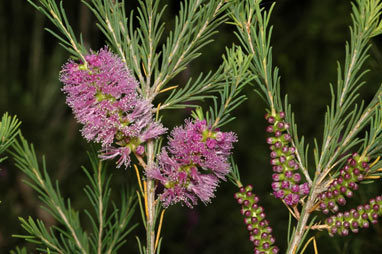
pixel 298 234
pixel 151 207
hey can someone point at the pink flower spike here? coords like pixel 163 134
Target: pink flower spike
pixel 193 163
pixel 102 94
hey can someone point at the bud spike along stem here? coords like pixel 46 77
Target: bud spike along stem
pixel 353 220
pixel 343 186
pixel 257 225
pixel 252 21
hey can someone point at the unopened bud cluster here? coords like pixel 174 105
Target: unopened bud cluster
pixel 352 220
pixel 285 180
pixel 344 185
pixel 257 225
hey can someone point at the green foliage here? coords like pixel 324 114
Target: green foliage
pixel 19 251
pixel 118 31
pixel 109 228
pixel 57 16
pixel 196 23
pixel 237 77
pixel 234 175
pixel 197 90
pixel 76 239
pixel 254 34
pixel 372 140
pixel 8 132
pixel 340 120
pixel 29 88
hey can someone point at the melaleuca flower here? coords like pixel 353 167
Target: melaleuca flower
pixel 182 182
pixel 258 227
pixel 286 182
pixel 192 164
pixel 344 185
pixel 102 94
pixel 354 219
pixel 197 143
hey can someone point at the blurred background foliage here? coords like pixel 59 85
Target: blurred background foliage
pixel 308 38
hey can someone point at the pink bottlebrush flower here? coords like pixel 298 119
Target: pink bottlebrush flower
pixel 197 143
pixel 183 183
pixel 102 94
pixel 193 163
pixel 174 180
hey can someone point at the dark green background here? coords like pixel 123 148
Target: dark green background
pixel 308 39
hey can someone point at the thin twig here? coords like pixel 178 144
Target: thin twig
pixel 296 212
pixel 150 199
pixel 54 15
pixel 264 62
pixel 51 245
pixel 314 208
pixel 100 211
pixel 133 55
pixel 318 227
pixel 151 47
pixel 118 45
pixel 290 210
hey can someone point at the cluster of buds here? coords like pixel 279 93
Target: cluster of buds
pixel 257 225
pixel 286 181
pixel 193 163
pixel 354 219
pixel 344 185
